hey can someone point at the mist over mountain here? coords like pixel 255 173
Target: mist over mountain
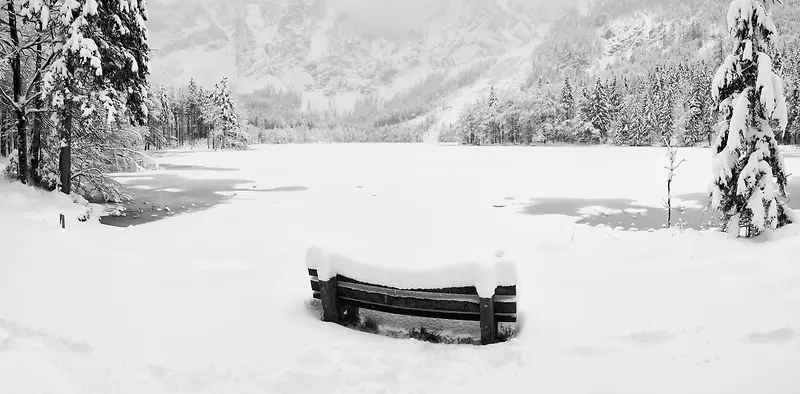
pixel 420 57
pixel 334 52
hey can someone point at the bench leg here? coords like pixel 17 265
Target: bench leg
pixel 488 324
pixel 327 291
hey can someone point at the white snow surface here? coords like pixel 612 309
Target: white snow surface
pixel 215 301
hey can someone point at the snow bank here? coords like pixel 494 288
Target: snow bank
pixel 413 266
pixel 18 201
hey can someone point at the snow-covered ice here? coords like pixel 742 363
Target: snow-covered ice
pixel 216 299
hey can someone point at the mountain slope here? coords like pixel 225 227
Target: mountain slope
pixel 335 52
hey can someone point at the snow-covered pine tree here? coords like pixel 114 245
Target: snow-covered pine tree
pixel 585 131
pixel 749 175
pixel 624 119
pixel 491 118
pixel 193 110
pixel 230 133
pixel 698 125
pixel 659 105
pixel 567 102
pixel 793 123
pixel 614 99
pixel 599 108
pixel 101 57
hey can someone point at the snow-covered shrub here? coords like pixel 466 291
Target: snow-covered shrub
pixel 449 133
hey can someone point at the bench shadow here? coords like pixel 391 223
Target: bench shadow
pixel 158 195
pixel 426 329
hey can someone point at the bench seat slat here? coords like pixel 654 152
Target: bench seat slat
pixel 504 318
pixel 423 295
pixel 502 304
pixel 409 302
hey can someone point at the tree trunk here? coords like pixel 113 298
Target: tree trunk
pixel 36 136
pixel 3 144
pixel 22 124
pixel 65 154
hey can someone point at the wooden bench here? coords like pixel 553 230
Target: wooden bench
pixel 344 296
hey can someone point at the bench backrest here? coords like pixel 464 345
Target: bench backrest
pixel 455 303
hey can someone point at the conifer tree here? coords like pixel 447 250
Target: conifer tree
pixel 624 129
pixel 103 58
pixel 599 109
pixel 749 175
pixel 230 133
pixel 567 102
pixel 492 98
pixel 614 99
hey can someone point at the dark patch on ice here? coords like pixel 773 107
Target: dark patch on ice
pixel 648 338
pixel 625 213
pixel 776 336
pixel 159 195
pixel 186 167
pixel 283 189
pixel 694 217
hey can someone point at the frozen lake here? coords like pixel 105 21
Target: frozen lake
pixel 215 298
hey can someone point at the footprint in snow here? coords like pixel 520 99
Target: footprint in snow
pixel 586 351
pixel 648 338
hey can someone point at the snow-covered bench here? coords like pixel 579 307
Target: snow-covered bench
pixel 473 289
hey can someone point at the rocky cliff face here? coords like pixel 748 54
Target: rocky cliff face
pixel 336 51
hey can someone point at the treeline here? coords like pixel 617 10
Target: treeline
pixel 311 128
pixel 75 101
pixel 72 90
pixel 192 114
pixel 671 102
pixel 336 132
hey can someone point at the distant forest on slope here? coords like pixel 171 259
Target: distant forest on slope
pixel 596 77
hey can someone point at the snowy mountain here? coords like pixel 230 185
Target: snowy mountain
pixel 334 52
pixel 621 36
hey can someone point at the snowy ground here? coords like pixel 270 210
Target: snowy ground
pixel 215 299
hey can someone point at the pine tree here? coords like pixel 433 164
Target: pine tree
pixel 698 125
pixel 614 99
pixel 492 98
pixel 567 102
pixel 103 59
pixel 625 123
pixel 230 133
pixel 749 175
pixel 599 108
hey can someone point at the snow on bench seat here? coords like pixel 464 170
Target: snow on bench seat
pixel 414 265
